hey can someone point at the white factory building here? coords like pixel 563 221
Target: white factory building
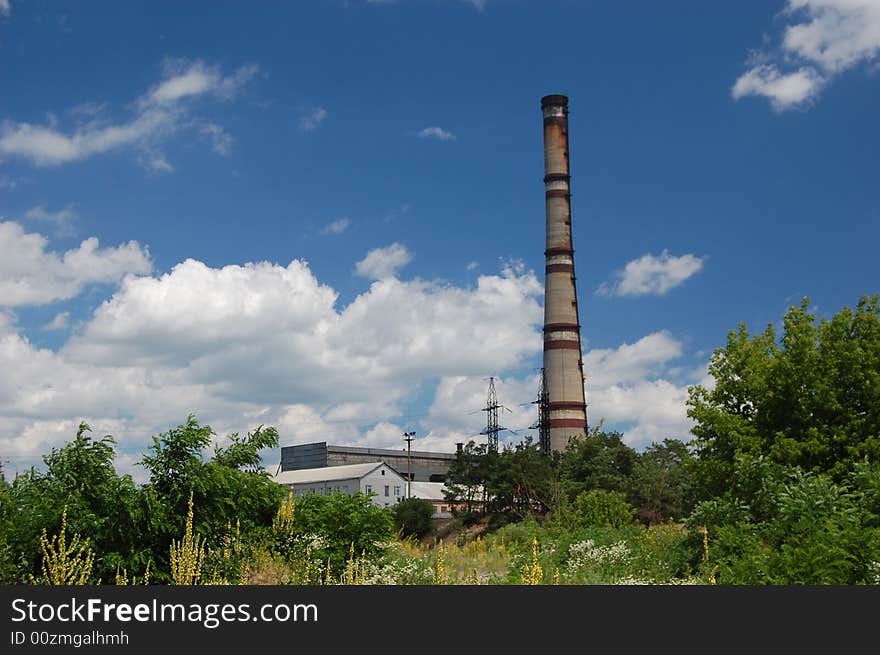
pixel 385 485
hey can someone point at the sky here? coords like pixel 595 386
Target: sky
pixel 328 216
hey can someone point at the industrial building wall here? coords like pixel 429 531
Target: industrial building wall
pixel 425 466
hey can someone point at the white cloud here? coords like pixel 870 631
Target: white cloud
pixel 183 78
pixel 5 8
pixel 155 163
pixel 259 343
pixel 221 142
pixel 381 263
pixel 829 37
pixel 159 114
pixel 60 322
pixel 650 275
pixel 456 413
pixel 626 388
pixel 336 227
pixel 649 411
pixel 62 219
pixel 266 344
pixel 630 362
pixel 436 133
pixel 39 213
pixel 312 120
pixel 788 91
pixel 31 275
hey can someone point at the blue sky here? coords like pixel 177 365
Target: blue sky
pixel 328 216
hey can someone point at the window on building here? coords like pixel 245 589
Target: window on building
pixel 396 491
pixel 369 489
pixel 442 508
pixel 383 471
pixel 386 490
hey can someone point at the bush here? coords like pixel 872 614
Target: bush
pixel 412 517
pixel 340 523
pixel 603 508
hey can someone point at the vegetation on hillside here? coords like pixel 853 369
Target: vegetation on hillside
pixel 781 485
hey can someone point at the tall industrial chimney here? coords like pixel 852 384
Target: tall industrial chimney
pixel 563 364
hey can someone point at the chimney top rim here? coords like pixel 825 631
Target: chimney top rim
pixel 554 99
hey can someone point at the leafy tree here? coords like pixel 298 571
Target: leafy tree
pixel 602 508
pixel 102 505
pixel 412 517
pixel 598 461
pixel 815 531
pixel 230 489
pixel 466 477
pixel 519 480
pixel 660 482
pixel 810 399
pixel 339 521
pixel 7 566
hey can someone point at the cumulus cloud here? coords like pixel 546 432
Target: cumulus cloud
pixel 258 344
pixel 436 133
pixel 312 120
pixel 60 322
pixel 381 263
pixel 338 226
pixel 630 362
pixel 456 414
pixel 783 90
pixel 31 275
pixel 627 388
pixel 650 275
pixel 158 114
pixel 261 343
pixel 826 38
pixel 5 8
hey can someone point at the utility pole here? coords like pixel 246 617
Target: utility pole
pixel 408 437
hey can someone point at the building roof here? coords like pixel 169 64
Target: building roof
pixel 327 473
pixel 427 490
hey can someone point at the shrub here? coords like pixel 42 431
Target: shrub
pixel 412 517
pixel 599 507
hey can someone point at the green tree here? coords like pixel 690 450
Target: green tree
pixel 466 477
pixel 7 565
pixel 810 399
pixel 102 505
pixel 519 480
pixel 660 482
pixel 230 489
pixel 603 508
pixel 811 530
pixel 337 520
pixel 412 517
pixel 598 461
